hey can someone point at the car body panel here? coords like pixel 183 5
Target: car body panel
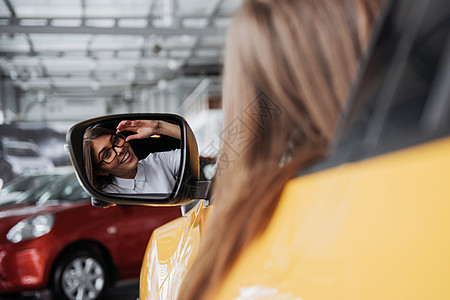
pixel 386 237
pixel 123 231
pixel 170 252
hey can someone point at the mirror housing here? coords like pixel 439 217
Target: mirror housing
pixel 187 185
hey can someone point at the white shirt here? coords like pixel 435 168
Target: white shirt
pixel 155 174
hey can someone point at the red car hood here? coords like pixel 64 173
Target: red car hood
pixel 14 213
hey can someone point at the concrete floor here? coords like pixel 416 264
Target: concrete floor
pixel 124 290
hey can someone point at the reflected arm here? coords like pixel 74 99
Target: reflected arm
pixel 169 129
pixel 147 128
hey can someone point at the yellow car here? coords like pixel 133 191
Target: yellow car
pixel 371 221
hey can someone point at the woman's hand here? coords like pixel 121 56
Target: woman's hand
pixel 143 128
pixel 147 128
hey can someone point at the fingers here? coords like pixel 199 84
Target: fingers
pixel 132 137
pixel 136 136
pixel 126 125
pixel 142 129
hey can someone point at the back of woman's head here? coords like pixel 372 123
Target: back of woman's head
pixel 90 164
pixel 288 70
pixel 298 56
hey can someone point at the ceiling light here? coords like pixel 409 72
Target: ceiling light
pixel 95 85
pixel 151 76
pixel 33 74
pixel 169 13
pixel 127 96
pixel 174 64
pixel 13 74
pixel 41 96
pixel 163 84
pixel 186 38
pixel 93 63
pixel 131 75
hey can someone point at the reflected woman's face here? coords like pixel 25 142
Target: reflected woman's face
pixel 124 165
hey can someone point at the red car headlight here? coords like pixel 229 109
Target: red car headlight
pixel 31 228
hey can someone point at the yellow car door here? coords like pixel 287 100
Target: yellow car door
pixel 170 252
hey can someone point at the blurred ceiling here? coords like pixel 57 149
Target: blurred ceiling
pixel 106 46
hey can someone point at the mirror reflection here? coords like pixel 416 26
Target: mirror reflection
pixel 133 156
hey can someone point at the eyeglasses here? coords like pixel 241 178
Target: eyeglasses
pixel 110 154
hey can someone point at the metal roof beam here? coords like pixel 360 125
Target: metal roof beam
pixel 62 53
pixel 14 20
pixel 10 8
pixel 123 17
pixel 13 29
pixel 212 14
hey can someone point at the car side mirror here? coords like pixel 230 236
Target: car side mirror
pixel 140 159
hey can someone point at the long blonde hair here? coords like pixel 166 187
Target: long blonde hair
pixel 288 70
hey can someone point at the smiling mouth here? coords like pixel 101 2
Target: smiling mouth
pixel 125 157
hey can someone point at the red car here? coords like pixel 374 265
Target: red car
pixel 62 243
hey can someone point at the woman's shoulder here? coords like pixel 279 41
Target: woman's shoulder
pixel 162 155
